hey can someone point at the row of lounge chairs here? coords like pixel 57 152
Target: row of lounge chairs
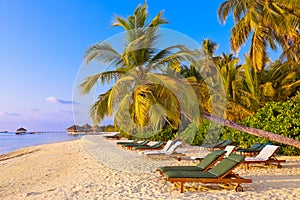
pixel 216 167
pixel 265 152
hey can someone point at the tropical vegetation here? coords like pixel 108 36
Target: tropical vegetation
pixel 148 90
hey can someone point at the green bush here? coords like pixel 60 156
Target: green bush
pixel 207 132
pixel 282 118
pixel 164 135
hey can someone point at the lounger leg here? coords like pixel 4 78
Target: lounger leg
pixel 279 165
pixel 181 187
pixel 247 166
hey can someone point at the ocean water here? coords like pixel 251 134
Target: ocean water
pixel 11 142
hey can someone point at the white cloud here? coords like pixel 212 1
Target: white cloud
pixel 55 100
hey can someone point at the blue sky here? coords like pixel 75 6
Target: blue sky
pixel 42 43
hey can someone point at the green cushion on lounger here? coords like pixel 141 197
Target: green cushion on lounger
pixel 133 145
pixel 189 174
pixel 219 152
pixel 208 160
pixel 226 164
pixel 236 157
pixel 179 168
pixel 132 142
pixel 156 145
pixel 253 147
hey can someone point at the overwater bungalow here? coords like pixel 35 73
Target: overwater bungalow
pixel 74 129
pixel 21 131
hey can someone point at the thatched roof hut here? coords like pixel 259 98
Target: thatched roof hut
pixel 21 130
pixel 73 129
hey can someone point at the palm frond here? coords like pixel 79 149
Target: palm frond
pixel 120 89
pixel 99 109
pixel 120 21
pixel 104 77
pixel 102 52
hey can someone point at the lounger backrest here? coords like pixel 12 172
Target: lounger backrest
pixel 158 144
pixel 226 165
pixel 267 152
pixel 167 146
pixel 229 149
pixel 219 143
pixel 263 146
pixel 255 146
pixel 173 147
pixel 219 152
pixel 227 142
pixel 209 159
pixel 143 143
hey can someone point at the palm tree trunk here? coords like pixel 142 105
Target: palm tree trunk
pixel 253 131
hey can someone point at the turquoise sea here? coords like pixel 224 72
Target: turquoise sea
pixel 11 142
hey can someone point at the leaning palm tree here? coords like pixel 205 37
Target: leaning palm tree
pixel 143 97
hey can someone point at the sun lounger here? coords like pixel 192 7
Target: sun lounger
pixel 265 156
pixel 162 151
pixel 135 141
pixel 204 165
pixel 254 149
pixel 130 146
pixel 214 145
pixel 229 149
pixel 115 136
pixel 223 145
pixel 222 173
pixel 170 151
pixel 157 145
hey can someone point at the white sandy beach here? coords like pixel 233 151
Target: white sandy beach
pixel 94 168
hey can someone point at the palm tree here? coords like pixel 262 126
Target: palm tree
pixel 143 97
pixel 268 23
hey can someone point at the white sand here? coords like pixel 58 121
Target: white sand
pixel 93 168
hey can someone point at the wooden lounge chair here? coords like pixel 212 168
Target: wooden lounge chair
pixel 214 145
pixel 266 156
pixel 170 151
pixel 229 149
pixel 210 160
pixel 156 146
pixel 131 146
pixel 135 141
pixel 254 149
pixel 116 136
pixel 222 173
pixel 250 149
pixel 223 145
pixel 161 151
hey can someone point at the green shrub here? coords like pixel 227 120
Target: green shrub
pixel 163 135
pixel 207 132
pixel 282 118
